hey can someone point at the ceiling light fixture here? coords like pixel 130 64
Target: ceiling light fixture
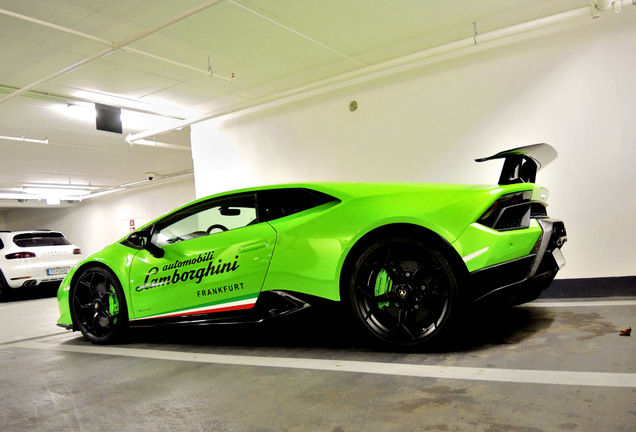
pixel 23 139
pixel 77 111
pixel 130 119
pixel 57 191
pixel 56 194
pixel 159 144
pixel 15 196
pixel 143 121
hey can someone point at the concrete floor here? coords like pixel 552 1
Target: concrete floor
pixel 549 366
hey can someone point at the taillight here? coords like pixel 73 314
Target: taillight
pixel 77 251
pixel 19 255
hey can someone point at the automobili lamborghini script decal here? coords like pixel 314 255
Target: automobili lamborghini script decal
pixel 197 274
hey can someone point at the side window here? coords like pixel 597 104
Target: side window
pixel 206 218
pixel 278 203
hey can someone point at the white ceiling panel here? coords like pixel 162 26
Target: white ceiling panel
pixel 232 32
pixel 271 46
pixel 144 13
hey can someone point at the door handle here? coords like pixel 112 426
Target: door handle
pixel 253 246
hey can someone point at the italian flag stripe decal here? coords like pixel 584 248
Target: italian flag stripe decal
pixel 222 307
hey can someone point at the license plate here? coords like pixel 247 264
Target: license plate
pixel 57 271
pixel 559 258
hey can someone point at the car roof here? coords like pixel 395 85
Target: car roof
pixel 347 190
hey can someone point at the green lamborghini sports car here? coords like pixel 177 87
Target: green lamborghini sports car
pixel 401 258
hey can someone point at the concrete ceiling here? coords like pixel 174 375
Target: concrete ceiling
pixel 151 58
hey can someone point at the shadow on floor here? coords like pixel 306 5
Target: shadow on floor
pixel 44 290
pixel 327 328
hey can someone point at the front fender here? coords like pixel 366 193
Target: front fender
pixel 116 258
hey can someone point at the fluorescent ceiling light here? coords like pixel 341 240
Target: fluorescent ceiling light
pixel 136 105
pixel 134 120
pixel 55 191
pixel 23 139
pixel 77 111
pixel 54 194
pixel 144 121
pixel 13 196
pixel 160 144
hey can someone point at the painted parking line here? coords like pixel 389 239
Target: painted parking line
pixel 582 303
pixel 597 379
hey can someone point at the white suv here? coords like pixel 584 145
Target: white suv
pixel 28 258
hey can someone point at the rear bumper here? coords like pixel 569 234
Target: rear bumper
pixel 35 274
pixel 24 281
pixel 523 279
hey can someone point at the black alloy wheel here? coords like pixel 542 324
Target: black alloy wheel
pixel 98 306
pixel 403 291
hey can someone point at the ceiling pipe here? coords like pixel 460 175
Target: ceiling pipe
pixel 379 70
pixel 52 26
pixel 61 72
pixel 146 143
pixel 114 46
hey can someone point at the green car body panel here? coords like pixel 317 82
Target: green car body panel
pixel 307 252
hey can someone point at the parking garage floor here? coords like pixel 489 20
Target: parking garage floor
pixel 551 365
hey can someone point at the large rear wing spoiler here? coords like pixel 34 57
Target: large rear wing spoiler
pixel 521 164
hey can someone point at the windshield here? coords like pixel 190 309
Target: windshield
pixel 40 239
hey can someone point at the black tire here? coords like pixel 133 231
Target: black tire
pixel 98 305
pixel 4 288
pixel 403 291
pixel 6 292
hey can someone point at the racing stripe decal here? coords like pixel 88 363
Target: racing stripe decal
pixel 222 307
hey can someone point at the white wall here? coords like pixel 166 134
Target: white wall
pixel 573 87
pixel 96 223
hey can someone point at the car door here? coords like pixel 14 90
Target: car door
pixel 215 258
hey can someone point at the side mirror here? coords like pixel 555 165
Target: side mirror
pixel 142 239
pixel 139 238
